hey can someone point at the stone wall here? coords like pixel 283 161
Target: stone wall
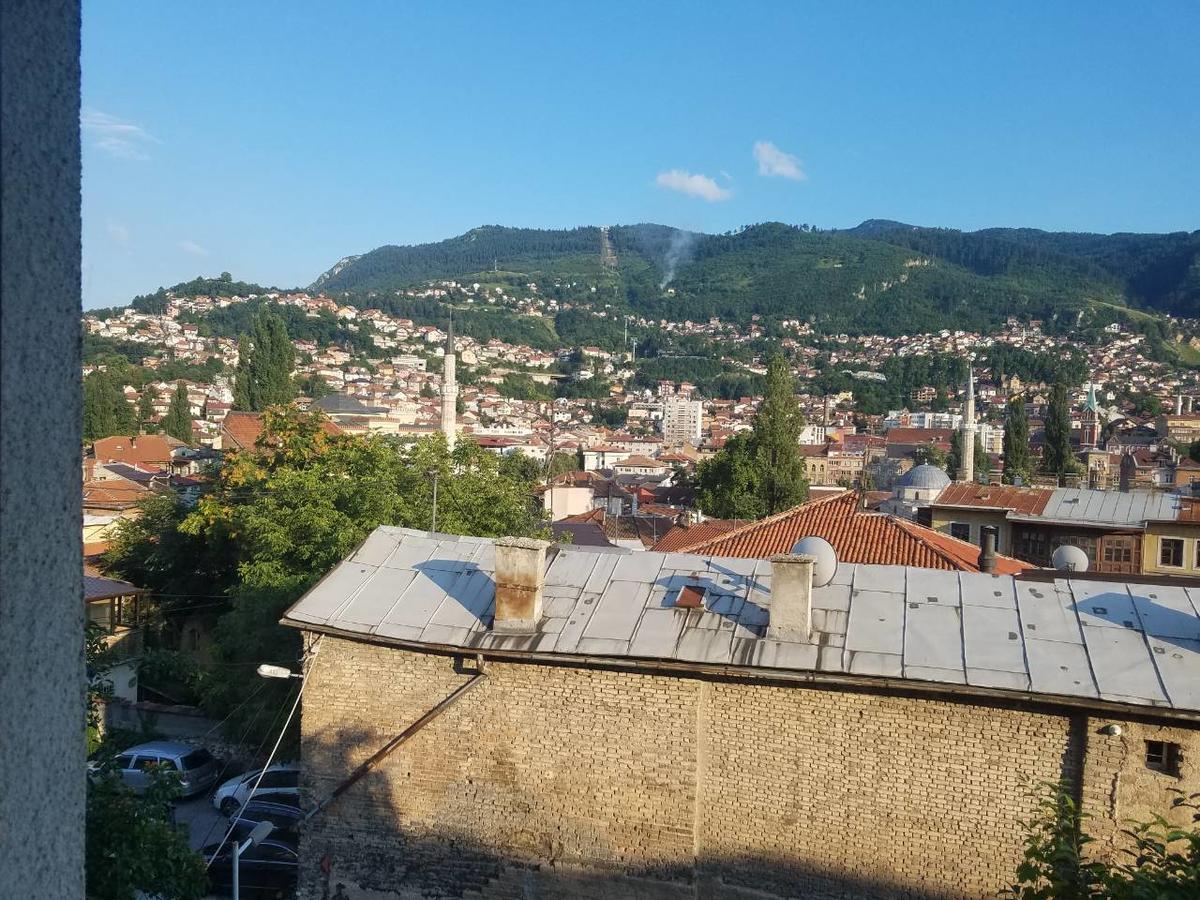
pixel 549 781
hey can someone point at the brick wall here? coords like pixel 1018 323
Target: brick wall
pixel 549 781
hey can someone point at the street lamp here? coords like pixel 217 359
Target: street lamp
pixel 259 833
pixel 268 671
pixel 433 473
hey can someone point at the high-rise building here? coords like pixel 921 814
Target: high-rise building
pixel 450 391
pixel 681 420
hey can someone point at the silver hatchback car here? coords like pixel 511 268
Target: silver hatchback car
pixel 195 766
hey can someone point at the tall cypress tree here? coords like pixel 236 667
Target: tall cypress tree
pixel 776 437
pixel 145 411
pixel 266 358
pixel 178 421
pixel 105 410
pixel 1057 456
pixel 1016 442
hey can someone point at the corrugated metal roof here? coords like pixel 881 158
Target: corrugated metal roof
pixel 1109 507
pixel 1125 642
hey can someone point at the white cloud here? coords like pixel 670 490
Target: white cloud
pixel 118 232
pixel 116 137
pixel 193 248
pixel 774 162
pixel 693 185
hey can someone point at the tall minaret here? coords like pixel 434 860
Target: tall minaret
pixel 449 390
pixel 967 442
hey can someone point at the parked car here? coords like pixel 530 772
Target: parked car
pixel 282 778
pixel 281 810
pixel 195 766
pixel 267 869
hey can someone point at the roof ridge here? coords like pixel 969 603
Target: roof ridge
pixel 769 520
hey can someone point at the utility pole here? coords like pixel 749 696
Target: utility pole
pixel 433 473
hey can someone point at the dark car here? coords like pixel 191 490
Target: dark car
pixel 268 869
pixel 281 810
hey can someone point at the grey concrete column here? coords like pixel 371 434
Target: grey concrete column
pixel 42 766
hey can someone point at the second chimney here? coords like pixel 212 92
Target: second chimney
pixel 790 616
pixel 520 575
pixel 987 550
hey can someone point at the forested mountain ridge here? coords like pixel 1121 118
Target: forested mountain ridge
pixel 882 276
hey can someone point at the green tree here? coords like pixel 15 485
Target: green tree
pixel 105 410
pixel 145 412
pixel 1057 456
pixel 932 455
pixel 759 473
pixel 729 484
pixel 279 516
pixel 266 358
pixel 1162 860
pixel 178 420
pixel 776 434
pixel 1017 463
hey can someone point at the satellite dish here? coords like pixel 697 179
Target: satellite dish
pixel 822 551
pixel 1069 558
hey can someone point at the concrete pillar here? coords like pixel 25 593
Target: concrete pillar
pixel 42 749
pixel 790 615
pixel 520 575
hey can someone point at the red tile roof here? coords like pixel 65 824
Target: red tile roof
pixel 904 435
pixel 857 536
pixel 143 448
pixel 689 535
pixel 240 430
pixel 1025 500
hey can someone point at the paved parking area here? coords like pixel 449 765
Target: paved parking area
pixel 205 824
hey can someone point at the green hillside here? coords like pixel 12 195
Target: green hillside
pixel 881 277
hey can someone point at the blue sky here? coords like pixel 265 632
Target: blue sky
pixel 270 139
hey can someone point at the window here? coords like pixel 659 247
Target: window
pixel 124 761
pixel 1170 552
pixel 279 780
pixel 960 530
pixel 197 758
pixel 1162 757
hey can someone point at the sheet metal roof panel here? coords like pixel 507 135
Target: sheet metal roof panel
pixel 934 586
pixel 889 665
pixel 570 570
pixel 785 654
pixel 577 621
pixel 1058 667
pixel 837 596
pixel 332 592
pixel 1178 664
pixel 932 637
pixel 469 602
pixel 991 678
pixel 657 633
pixel 932 673
pixel 1122 664
pixel 370 604
pixel 880 578
pixel 979 589
pixel 1103 605
pixel 876 623
pixel 379 545
pixel 618 610
pixel 637 567
pixel 1047 614
pixel 992 640
pixel 1167 611
pixel 602 573
pixel 705 645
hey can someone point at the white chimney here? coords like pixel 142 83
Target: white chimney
pixel 520 575
pixel 790 615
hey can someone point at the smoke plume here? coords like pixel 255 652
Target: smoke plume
pixel 678 253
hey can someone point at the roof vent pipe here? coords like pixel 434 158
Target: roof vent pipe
pixel 987 550
pixel 520 577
